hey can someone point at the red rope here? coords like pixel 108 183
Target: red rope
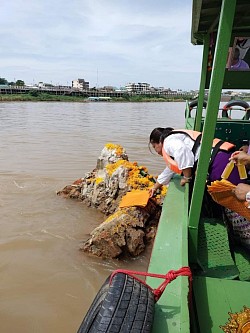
pixel 169 277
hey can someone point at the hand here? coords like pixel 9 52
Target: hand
pixel 184 181
pixel 240 157
pixel 241 190
pixel 186 176
pixel 152 192
pixel 244 148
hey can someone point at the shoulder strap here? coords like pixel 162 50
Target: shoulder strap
pixel 197 141
pixel 215 150
pixel 181 132
pixel 196 144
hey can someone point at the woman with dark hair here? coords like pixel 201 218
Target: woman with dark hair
pixel 181 149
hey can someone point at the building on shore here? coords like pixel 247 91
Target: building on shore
pixel 138 88
pixel 80 84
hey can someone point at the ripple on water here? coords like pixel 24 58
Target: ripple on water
pixel 47 284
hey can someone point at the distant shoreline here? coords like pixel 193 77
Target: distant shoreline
pixel 79 99
pixel 44 97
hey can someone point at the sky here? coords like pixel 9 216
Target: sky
pixel 105 42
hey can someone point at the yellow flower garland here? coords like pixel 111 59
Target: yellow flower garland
pixel 119 150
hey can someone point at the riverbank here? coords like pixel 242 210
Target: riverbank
pixel 43 97
pixel 36 96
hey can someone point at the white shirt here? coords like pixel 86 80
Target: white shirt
pixel 179 146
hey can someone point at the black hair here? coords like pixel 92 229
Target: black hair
pixel 236 54
pixel 159 134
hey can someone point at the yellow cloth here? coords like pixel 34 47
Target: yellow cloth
pixel 222 192
pixel 135 198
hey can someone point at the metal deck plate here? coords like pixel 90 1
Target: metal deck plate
pixel 213 250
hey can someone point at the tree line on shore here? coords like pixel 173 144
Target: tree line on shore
pixel 34 96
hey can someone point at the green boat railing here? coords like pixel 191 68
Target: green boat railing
pixel 217 77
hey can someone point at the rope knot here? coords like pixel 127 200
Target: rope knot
pixel 169 277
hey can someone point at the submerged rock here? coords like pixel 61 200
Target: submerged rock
pixel 125 230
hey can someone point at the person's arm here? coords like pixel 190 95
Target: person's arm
pixel 153 190
pixel 241 191
pixel 187 176
pixel 163 179
pixel 240 157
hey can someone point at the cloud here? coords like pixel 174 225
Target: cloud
pixel 112 42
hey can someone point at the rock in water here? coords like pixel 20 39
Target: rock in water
pixel 126 230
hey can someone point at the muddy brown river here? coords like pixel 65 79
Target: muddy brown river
pixel 47 284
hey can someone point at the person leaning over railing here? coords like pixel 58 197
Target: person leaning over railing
pixel 181 150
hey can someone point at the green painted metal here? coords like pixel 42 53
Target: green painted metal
pixel 205 18
pixel 170 251
pixel 233 80
pixel 189 124
pixel 242 260
pixel 202 84
pixel 221 51
pixel 195 19
pixel 214 298
pixel 233 131
pixel 213 250
pixel 218 294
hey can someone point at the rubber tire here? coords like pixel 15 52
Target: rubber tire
pixel 247 115
pixel 94 309
pixel 124 306
pixel 243 104
pixel 194 103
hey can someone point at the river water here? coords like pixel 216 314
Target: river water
pixel 47 284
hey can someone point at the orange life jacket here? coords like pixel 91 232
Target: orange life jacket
pixel 218 145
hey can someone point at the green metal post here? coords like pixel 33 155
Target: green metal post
pixel 216 83
pixel 197 126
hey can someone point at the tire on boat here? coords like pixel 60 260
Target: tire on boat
pixel 242 104
pixel 124 306
pixel 194 104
